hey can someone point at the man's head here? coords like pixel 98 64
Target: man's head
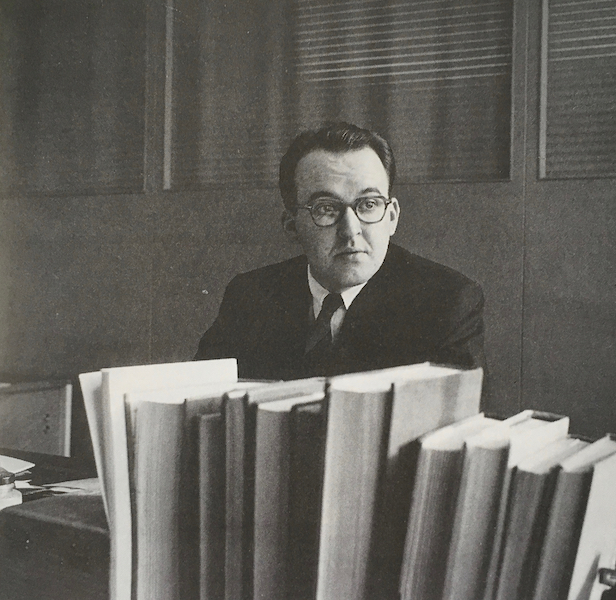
pixel 335 185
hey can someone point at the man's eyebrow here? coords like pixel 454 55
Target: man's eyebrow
pixel 331 195
pixel 317 195
pixel 371 191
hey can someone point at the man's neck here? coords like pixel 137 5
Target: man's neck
pixel 319 292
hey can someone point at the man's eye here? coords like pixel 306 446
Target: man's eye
pixel 325 208
pixel 369 204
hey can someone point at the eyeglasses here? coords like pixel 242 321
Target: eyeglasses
pixel 326 212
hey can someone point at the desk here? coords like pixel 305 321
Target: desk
pixel 55 548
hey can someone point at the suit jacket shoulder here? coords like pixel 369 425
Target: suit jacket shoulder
pixel 263 321
pixel 413 310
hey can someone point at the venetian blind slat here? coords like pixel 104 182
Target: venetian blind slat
pixel 579 110
pixel 434 77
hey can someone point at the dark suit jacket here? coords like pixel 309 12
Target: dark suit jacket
pixel 412 310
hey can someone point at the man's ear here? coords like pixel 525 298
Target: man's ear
pixel 394 216
pixel 289 225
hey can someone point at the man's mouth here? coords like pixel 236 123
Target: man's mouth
pixel 350 252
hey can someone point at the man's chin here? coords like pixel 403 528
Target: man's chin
pixel 340 275
pixel 353 276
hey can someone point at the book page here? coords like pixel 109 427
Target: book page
pixel 109 425
pixel 91 389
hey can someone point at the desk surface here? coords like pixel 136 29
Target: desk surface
pixel 55 548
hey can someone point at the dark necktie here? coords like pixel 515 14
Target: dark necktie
pixel 320 336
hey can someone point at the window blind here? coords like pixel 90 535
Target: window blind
pixel 73 85
pixel 433 76
pixel 578 99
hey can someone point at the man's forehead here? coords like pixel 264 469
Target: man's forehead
pixel 360 167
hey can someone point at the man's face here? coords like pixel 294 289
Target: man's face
pixel 349 252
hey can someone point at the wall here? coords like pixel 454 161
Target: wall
pixel 126 278
pixel 569 303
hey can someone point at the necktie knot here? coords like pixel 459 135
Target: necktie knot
pixel 322 326
pixel 331 303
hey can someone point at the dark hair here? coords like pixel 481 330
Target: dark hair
pixel 333 137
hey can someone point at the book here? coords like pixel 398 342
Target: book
pixel 212 506
pixel 190 489
pixel 103 394
pixel 440 396
pixel 91 384
pixel 483 470
pixel 558 550
pixel 531 495
pixel 158 440
pixel 177 409
pixel 240 446
pixel 372 419
pixel 433 507
pixel 357 421
pixel 596 548
pixel 162 439
pixel 529 430
pixel 272 496
pixel 307 454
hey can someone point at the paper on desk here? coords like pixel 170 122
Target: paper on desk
pixel 14 465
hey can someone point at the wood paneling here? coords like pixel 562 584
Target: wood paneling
pixel 78 285
pixel 477 229
pixel 570 302
pixel 202 241
pixel 569 346
pixel 73 80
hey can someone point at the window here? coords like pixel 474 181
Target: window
pixel 578 89
pixel 73 80
pixel 433 76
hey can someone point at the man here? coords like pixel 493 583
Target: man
pixel 353 301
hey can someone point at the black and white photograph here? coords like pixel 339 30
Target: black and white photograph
pixel 307 299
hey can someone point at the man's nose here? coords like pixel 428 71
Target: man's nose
pixel 349 225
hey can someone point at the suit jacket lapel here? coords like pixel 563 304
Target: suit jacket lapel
pixel 289 296
pixel 380 314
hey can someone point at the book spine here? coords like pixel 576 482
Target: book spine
pixel 556 427
pixel 271 505
pixel 474 522
pixel 157 476
pixel 526 497
pixel 562 535
pixel 430 524
pixel 190 566
pixel 235 435
pixel 307 455
pixel 355 434
pixel 211 507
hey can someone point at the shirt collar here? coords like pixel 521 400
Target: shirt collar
pixel 319 292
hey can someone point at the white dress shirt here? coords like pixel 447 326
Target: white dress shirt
pixel 318 295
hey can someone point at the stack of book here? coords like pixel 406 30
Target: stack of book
pixel 383 484
pixel 514 509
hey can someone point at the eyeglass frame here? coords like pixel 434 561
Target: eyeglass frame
pixel 353 206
